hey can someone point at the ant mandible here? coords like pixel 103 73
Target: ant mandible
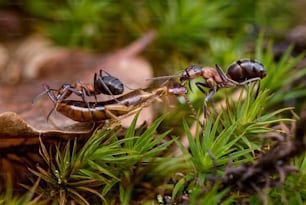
pixel 239 73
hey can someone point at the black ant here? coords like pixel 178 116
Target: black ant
pixel 107 84
pixel 239 73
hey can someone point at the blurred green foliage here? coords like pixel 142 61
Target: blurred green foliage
pixel 180 24
pixel 198 31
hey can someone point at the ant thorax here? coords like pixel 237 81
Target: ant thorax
pixel 208 73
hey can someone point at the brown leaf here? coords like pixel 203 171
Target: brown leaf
pixel 15 131
pixel 65 66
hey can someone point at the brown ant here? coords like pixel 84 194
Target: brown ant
pixel 239 73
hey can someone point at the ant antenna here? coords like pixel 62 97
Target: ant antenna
pixel 37 97
pixel 46 91
pixel 166 77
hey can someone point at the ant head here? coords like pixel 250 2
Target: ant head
pixel 191 72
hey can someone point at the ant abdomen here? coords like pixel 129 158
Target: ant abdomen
pixel 108 85
pixel 245 69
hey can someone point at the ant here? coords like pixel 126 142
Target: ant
pixel 239 73
pixel 106 84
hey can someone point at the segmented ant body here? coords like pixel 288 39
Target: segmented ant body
pixel 118 108
pixel 245 71
pixel 239 73
pixel 108 85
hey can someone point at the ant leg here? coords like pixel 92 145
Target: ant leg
pixel 47 89
pixel 104 72
pixel 81 93
pixel 250 80
pixel 86 101
pixel 105 86
pixel 253 80
pixel 224 77
pixel 202 84
pixel 100 78
pixel 52 96
pixel 51 111
pixel 189 85
pixel 54 100
pixel 207 98
pixel 221 73
pixel 257 90
pixel 83 97
pixel 95 78
pixel 66 90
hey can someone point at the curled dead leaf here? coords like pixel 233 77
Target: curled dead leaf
pixel 14 131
